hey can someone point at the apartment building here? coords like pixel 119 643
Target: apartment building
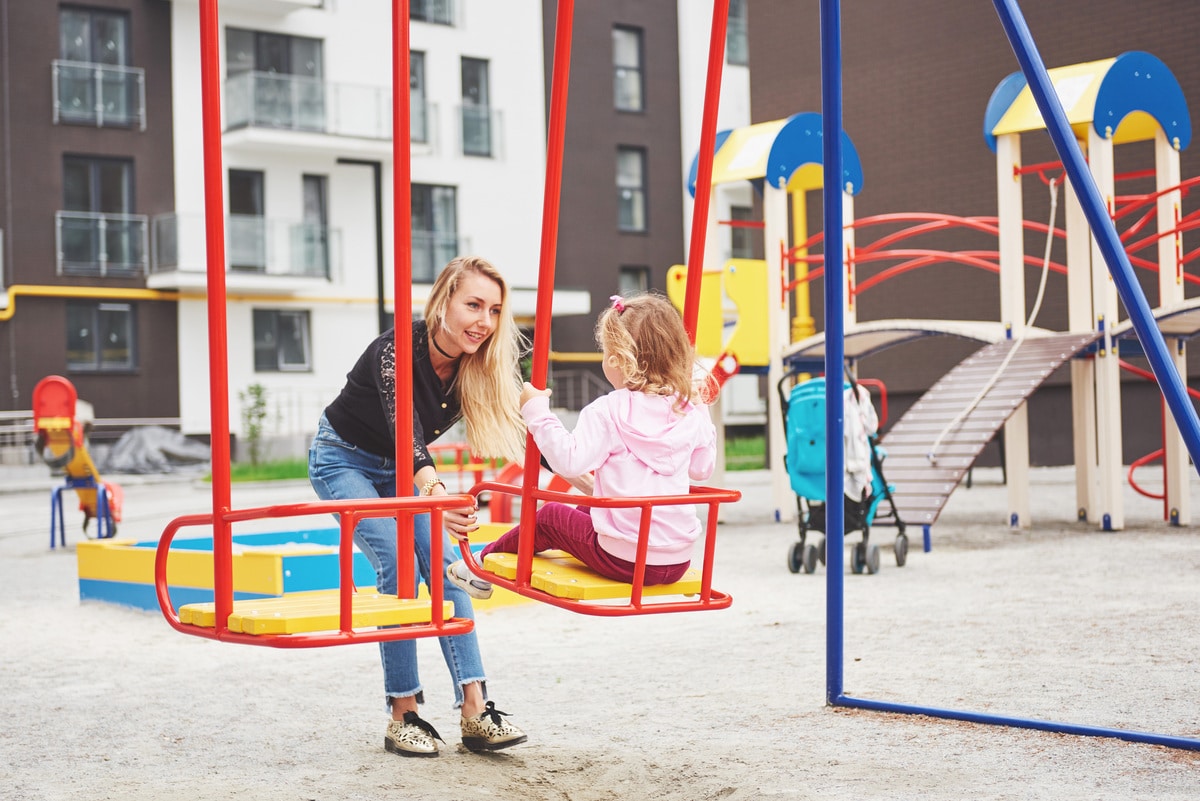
pixel 86 132
pixel 307 151
pixel 104 257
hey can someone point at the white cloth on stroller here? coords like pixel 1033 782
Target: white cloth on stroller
pixel 861 425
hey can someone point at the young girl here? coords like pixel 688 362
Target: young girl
pixel 647 437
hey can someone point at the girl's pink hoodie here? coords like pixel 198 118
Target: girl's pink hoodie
pixel 638 445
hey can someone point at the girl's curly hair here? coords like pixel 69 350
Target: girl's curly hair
pixel 644 334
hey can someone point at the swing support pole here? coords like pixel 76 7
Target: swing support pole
pixel 556 136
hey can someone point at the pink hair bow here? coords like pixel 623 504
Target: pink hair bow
pixel 618 303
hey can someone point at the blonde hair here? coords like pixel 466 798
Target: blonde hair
pixel 644 334
pixel 488 381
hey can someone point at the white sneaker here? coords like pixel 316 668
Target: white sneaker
pixel 462 577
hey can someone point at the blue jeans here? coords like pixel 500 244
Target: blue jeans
pixel 341 471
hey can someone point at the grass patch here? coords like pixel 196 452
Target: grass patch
pixel 741 453
pixel 746 453
pixel 267 471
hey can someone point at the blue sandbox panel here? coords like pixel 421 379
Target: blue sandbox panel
pixel 142 596
pixel 302 572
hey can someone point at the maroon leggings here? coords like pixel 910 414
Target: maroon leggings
pixel 567 528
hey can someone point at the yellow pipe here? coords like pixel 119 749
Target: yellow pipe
pixel 567 358
pixel 110 293
pixel 803 325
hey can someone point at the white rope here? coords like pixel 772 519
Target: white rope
pixel 1037 305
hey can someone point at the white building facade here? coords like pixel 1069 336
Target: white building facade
pixel 306 121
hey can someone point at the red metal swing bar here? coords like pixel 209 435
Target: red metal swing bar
pixel 529 492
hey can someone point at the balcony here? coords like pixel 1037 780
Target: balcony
pixel 309 105
pixel 262 254
pixel 101 95
pixel 104 245
pixel 269 112
pixel 478 130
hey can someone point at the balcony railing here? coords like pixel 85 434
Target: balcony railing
pixel 422 122
pixel 298 103
pixel 114 245
pixel 99 94
pixel 433 250
pixel 253 245
pixel 480 125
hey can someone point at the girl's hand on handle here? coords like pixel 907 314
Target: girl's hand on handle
pixel 529 392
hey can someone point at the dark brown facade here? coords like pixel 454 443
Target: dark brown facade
pixel 917 79
pixel 591 247
pixel 37 65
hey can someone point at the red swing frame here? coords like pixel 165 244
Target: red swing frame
pixel 349 513
pixel 530 493
pixel 223 516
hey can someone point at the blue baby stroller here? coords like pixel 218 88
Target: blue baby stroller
pixel 804 423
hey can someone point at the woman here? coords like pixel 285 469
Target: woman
pixel 464 355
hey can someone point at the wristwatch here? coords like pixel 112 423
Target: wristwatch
pixel 427 487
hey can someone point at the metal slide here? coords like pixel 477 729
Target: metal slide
pixel 923 484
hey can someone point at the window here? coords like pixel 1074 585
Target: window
pixel 274 80
pixel 476 110
pixel 310 241
pixel 101 185
pixel 440 12
pixel 741 238
pixel 632 280
pixel 418 108
pixel 627 69
pixel 281 341
pixel 631 189
pixel 434 230
pixel 247 230
pixel 737 44
pixel 97 231
pixel 101 336
pixel 93 82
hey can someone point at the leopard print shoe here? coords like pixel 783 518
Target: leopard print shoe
pixel 411 737
pixel 488 732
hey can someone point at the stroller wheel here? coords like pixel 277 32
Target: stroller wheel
pixel 810 558
pixel 901 548
pixel 796 557
pixel 821 551
pixel 873 559
pixel 858 558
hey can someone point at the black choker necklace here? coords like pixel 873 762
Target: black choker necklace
pixel 433 339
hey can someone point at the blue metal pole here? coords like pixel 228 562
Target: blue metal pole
pixel 1119 268
pixel 835 347
pixel 1023 723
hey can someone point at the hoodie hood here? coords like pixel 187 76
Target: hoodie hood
pixel 653 429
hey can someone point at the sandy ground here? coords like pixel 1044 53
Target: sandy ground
pixel 1064 623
